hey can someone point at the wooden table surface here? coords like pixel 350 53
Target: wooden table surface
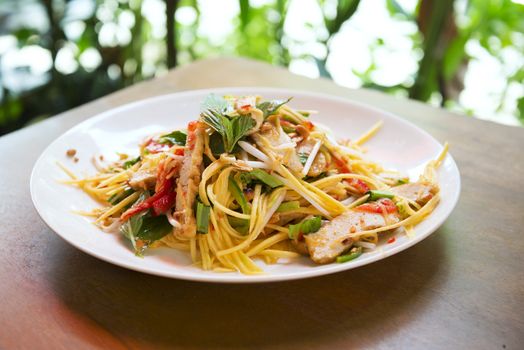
pixel 462 288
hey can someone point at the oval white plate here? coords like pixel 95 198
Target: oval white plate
pixel 398 145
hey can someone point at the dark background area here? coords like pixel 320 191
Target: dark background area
pixel 467 56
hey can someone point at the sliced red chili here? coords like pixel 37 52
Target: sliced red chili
pixel 378 207
pixel 164 203
pixel 164 190
pixel 343 168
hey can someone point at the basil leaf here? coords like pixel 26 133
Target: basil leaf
pixel 175 138
pixel 215 103
pixel 271 107
pixel 240 126
pixel 216 144
pixel 232 130
pixel 131 227
pixel 153 228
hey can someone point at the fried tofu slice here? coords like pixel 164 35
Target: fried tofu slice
pixel 325 245
pixel 419 192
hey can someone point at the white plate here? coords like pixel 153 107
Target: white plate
pixel 398 144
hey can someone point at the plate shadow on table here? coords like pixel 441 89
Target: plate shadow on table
pixel 142 309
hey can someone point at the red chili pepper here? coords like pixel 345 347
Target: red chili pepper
pixel 164 203
pixel 391 240
pixel 358 184
pixel 377 207
pixel 246 107
pixel 179 152
pixel 341 165
pixel 308 125
pixel 161 201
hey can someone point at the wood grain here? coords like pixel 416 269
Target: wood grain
pixel 462 288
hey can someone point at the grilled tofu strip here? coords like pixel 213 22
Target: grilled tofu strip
pixel 187 186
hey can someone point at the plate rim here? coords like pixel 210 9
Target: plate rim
pixel 237 277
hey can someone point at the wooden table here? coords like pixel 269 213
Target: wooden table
pixel 462 288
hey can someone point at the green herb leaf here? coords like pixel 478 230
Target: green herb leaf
pixel 294 231
pixel 311 225
pixel 240 125
pixel 353 254
pixel 238 195
pixel 241 225
pixel 216 144
pixel 128 164
pixel 305 227
pixel 271 107
pixel 288 206
pixel 131 227
pixel 214 102
pixel 153 228
pixel 145 228
pixel 232 130
pixel 266 178
pixel 202 217
pixel 175 138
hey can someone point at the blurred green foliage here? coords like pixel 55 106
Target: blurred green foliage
pixel 79 50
